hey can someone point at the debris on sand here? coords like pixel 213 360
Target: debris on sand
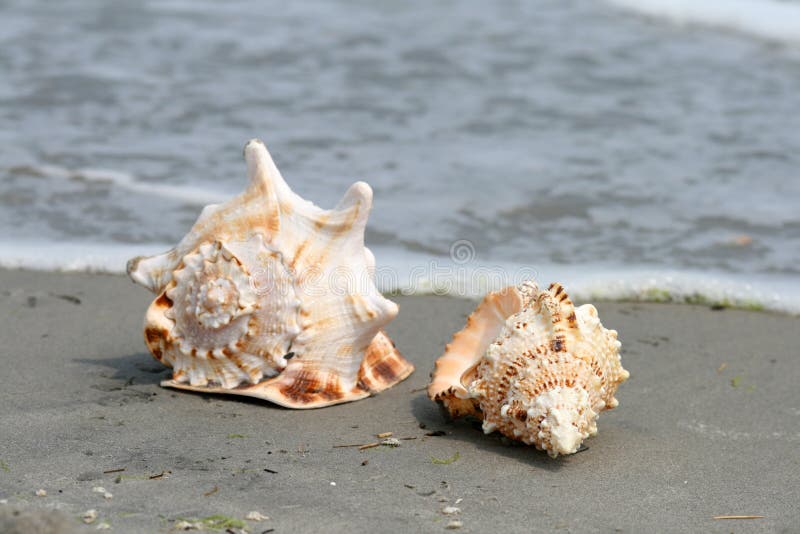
pixel 256 516
pixel 450 510
pixel 446 461
pixel 89 516
pixel 40 493
pixel 118 470
pixel 106 494
pixel 161 475
pixel 212 522
pixel 454 525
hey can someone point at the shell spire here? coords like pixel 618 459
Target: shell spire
pixel 533 367
pixel 271 297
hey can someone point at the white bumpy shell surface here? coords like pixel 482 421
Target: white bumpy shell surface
pixel 533 367
pixel 270 296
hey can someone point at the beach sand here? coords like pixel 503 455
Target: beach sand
pixel 707 425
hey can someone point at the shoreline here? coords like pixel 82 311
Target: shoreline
pixel 422 275
pixel 706 411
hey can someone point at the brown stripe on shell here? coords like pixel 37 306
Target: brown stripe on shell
pixel 360 307
pixel 286 208
pixel 155 339
pixel 302 251
pixel 308 387
pixel 572 319
pixel 321 222
pixel 383 365
pixel 153 335
pixel 336 229
pixel 272 220
pixel 298 254
pixel 163 301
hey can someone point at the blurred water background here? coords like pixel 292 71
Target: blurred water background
pixel 628 148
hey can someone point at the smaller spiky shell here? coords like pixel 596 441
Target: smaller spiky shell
pixel 540 374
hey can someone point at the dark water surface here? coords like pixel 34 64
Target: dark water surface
pixel 554 132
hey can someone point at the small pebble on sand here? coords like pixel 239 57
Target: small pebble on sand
pixel 89 516
pixel 41 493
pixel 450 510
pixel 106 495
pixel 256 516
pixel 453 525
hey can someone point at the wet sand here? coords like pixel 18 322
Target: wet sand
pixel 707 426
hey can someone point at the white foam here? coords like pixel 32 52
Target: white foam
pixel 417 274
pixel 767 19
pixel 128 182
pixel 73 256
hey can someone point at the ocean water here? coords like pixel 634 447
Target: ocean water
pixel 628 148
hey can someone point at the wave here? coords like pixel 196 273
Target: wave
pixel 766 19
pixel 73 256
pixel 125 181
pixel 402 272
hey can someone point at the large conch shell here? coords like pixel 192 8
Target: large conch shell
pixel 533 367
pixel 269 296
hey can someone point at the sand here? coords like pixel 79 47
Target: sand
pixel 707 425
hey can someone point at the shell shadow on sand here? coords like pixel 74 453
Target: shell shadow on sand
pixel 138 376
pixel 123 371
pixel 467 430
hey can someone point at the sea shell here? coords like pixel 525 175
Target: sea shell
pixel 269 296
pixel 533 367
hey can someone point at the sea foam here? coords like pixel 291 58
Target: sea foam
pixel 127 182
pixel 408 273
